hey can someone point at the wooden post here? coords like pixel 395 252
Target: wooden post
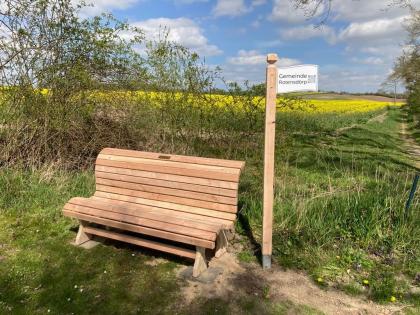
pixel 221 244
pixel 81 236
pixel 200 264
pixel 270 131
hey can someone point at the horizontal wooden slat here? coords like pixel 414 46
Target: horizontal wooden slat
pixel 168 205
pixel 169 163
pixel 183 252
pixel 148 223
pixel 168 177
pixel 140 229
pixel 170 170
pixel 183 187
pixel 141 212
pixel 168 198
pixel 175 158
pixel 166 191
pixel 185 199
pixel 227 224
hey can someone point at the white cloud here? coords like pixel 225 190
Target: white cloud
pixel 244 57
pixel 372 33
pixel 235 7
pixel 286 11
pixel 353 79
pixel 256 3
pixel 256 24
pixel 375 43
pixel 99 6
pixel 253 57
pixel 373 61
pixel 250 65
pixel 391 50
pixel 374 30
pixel 356 35
pixel 365 10
pixel 342 10
pixel 309 31
pixel 181 30
pixel 286 62
pixel 230 8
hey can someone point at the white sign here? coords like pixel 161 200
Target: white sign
pixel 297 78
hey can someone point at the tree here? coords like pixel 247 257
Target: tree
pixel 44 44
pixel 56 72
pixel 390 85
pixel 407 66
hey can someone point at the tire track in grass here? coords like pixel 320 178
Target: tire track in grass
pixel 411 146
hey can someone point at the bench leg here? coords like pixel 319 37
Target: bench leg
pixel 81 237
pixel 221 244
pixel 200 263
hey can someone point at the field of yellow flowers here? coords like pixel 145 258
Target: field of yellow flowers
pixel 343 106
pixel 240 102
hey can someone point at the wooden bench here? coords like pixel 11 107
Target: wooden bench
pixel 177 204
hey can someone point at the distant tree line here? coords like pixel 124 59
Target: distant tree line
pixel 407 66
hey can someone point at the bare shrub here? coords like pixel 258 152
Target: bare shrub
pixel 72 86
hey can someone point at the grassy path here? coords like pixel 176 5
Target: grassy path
pixel 339 211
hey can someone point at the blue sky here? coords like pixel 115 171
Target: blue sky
pixel 355 49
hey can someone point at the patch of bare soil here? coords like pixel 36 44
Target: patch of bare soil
pixel 379 119
pixel 411 145
pixel 235 279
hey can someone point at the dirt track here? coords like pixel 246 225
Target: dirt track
pixel 234 280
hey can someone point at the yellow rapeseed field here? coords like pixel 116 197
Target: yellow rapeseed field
pixel 310 106
pixel 319 106
pixel 343 106
pixel 239 102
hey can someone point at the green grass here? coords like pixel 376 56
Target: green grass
pixel 339 208
pixel 338 215
pixel 42 273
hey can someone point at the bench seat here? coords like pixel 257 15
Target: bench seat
pixel 181 199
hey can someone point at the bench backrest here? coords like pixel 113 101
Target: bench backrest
pixel 196 185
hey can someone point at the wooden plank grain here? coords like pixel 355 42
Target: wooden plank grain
pixel 184 187
pixel 170 170
pixel 160 162
pixel 167 177
pixel 119 181
pixel 144 222
pixel 269 158
pixel 168 198
pixel 168 205
pixel 168 248
pixel 184 199
pixel 227 224
pixel 140 229
pixel 176 158
pixel 145 212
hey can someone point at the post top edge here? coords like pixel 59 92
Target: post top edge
pixel 272 58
